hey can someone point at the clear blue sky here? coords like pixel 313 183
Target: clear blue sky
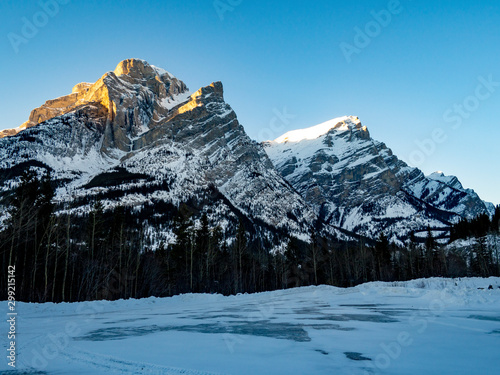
pixel 272 55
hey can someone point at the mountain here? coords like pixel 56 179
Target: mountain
pixel 137 137
pixel 357 183
pixel 133 186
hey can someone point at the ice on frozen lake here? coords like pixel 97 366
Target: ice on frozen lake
pixel 431 326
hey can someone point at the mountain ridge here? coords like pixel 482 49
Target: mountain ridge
pixel 357 183
pixel 140 120
pixel 146 124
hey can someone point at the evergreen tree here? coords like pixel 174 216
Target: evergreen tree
pixel 212 263
pixel 240 251
pixel 202 254
pixel 180 253
pixel 495 222
pixel 293 273
pixel 430 246
pixel 314 253
pixel 382 256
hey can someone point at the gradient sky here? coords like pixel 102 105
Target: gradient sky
pixel 286 56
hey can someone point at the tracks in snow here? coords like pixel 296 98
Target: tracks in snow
pixel 108 364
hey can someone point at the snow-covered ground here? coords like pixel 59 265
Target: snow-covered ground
pixel 426 326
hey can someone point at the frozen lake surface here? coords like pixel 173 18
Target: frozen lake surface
pixel 426 326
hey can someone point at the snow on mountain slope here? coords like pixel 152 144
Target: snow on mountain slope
pixel 314 132
pixel 451 181
pixel 139 132
pixel 357 183
pixel 138 136
pixel 467 247
pixel 448 197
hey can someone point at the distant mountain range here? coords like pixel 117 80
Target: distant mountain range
pixel 137 137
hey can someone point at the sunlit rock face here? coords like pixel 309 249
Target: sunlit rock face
pixel 143 122
pixel 356 183
pixel 137 137
pixel 132 97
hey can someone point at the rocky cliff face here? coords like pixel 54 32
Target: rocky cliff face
pixel 137 136
pixel 356 183
pixel 131 98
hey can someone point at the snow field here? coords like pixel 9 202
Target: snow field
pixel 431 326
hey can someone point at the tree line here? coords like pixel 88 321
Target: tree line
pixel 106 254
pixel 479 226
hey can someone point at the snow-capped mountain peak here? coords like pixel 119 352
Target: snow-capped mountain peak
pixel 138 138
pixel 314 132
pixel 357 183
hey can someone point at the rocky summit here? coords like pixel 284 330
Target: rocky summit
pixel 138 138
pixel 355 182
